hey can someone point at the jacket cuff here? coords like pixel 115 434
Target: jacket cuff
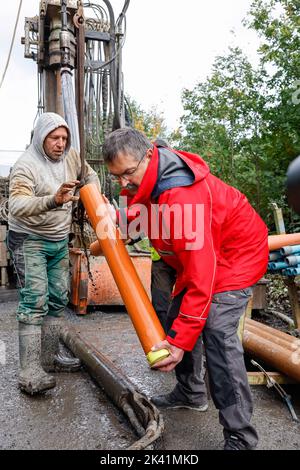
pixel 184 335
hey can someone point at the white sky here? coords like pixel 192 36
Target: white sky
pixel 170 45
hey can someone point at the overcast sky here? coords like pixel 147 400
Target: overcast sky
pixel 170 45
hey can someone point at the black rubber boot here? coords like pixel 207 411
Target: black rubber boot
pixel 53 360
pixel 32 378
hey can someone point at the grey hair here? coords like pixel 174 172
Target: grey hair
pixel 125 140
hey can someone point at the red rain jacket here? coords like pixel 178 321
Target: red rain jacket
pixel 234 245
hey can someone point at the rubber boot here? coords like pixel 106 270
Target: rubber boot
pixel 52 359
pixel 32 378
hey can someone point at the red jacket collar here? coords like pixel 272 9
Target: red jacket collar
pixel 148 182
pixel 194 161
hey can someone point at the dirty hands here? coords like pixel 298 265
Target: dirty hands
pixel 170 362
pixel 65 193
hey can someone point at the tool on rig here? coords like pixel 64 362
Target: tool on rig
pixel 272 383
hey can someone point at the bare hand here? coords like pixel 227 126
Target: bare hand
pixel 170 362
pixel 65 193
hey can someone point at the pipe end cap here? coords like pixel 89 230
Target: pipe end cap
pixel 155 356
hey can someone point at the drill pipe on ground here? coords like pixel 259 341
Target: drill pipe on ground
pixel 290 250
pixel 268 329
pixel 142 414
pixel 278 265
pixel 293 260
pixel 284 342
pixel 136 300
pixel 281 358
pixel 275 255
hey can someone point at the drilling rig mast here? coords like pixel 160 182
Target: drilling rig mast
pixel 78 46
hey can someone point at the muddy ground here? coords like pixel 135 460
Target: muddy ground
pixel 77 414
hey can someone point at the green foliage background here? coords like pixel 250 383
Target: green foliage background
pixel 245 121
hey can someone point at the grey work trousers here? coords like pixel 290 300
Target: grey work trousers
pixel 163 278
pixel 227 373
pixel 190 373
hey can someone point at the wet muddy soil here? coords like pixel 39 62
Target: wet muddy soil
pixel 77 415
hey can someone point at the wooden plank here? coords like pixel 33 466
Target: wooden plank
pixel 259 378
pixel 278 217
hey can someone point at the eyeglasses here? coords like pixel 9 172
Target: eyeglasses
pixel 127 174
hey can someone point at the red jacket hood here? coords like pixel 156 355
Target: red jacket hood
pixel 195 163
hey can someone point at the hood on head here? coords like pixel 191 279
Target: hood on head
pixel 47 123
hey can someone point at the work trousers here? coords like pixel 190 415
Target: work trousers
pixel 227 373
pixel 163 278
pixel 190 385
pixel 42 270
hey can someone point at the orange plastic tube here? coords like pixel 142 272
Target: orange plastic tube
pixel 278 241
pixel 136 300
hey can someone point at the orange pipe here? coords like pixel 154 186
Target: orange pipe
pixel 268 329
pixel 284 360
pixel 136 300
pixel 278 241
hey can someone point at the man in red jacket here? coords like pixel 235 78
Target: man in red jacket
pixel 210 234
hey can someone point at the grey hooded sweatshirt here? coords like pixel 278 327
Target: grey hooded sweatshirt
pixel 35 179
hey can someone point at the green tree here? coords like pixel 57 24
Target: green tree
pixel 151 122
pixel 245 121
pixel 222 121
pixel 278 24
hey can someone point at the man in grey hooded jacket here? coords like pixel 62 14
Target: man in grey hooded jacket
pixel 42 186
